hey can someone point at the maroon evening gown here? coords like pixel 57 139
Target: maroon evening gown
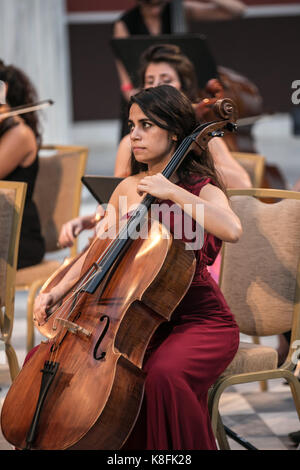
pixel 184 358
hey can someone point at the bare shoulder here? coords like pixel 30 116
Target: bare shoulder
pixel 120 30
pixel 20 140
pixel 126 185
pixel 22 134
pixel 212 193
pixel 131 181
pixel 125 142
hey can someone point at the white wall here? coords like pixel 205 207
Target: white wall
pixel 33 37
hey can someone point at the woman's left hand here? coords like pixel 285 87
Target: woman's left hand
pixel 156 185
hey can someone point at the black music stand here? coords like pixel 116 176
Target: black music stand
pixel 194 46
pixel 101 187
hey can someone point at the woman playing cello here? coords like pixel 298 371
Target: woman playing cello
pixel 164 64
pixel 186 355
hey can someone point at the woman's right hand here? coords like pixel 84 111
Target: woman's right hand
pixel 74 227
pixel 41 303
pixel 70 231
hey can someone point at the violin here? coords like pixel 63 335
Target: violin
pixel 249 104
pixel 27 108
pixel 8 115
pixel 247 99
pixel 83 387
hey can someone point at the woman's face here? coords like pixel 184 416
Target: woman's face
pixel 150 144
pixel 161 73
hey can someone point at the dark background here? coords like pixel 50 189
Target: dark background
pixel 265 50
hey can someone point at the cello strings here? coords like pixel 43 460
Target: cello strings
pixel 114 248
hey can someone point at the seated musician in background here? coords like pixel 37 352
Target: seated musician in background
pixel 164 64
pixel 20 139
pixel 153 17
pixel 187 354
pixel 296 186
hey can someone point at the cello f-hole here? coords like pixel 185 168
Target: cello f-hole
pixel 103 353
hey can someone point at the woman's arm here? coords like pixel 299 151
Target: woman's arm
pixel 219 219
pixel 71 229
pixel 207 10
pixel 122 165
pixel 120 31
pixel 18 147
pixel 45 300
pixel 232 173
pixel 74 227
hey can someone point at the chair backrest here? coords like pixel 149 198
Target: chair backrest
pixel 254 164
pixel 57 192
pixel 260 274
pixel 12 199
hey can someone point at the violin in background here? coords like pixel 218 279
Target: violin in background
pixel 249 104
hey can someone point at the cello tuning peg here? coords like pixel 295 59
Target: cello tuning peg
pixel 231 126
pixel 216 134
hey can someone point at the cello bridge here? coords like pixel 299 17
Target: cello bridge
pixel 73 327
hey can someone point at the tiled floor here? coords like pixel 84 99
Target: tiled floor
pixel 265 419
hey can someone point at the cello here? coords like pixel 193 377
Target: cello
pixel 83 388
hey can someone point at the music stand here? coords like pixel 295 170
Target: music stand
pixel 194 46
pixel 101 187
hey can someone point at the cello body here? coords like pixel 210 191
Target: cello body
pixel 96 392
pixel 83 387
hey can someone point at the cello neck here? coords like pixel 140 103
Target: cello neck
pixel 200 136
pixel 125 236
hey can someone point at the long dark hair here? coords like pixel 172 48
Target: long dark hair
pixel 21 91
pixel 171 110
pixel 171 54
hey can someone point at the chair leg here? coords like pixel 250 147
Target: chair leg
pixel 294 384
pixel 30 302
pixel 221 435
pixel 263 383
pixel 218 429
pixel 12 361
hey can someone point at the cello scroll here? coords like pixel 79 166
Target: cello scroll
pixel 227 111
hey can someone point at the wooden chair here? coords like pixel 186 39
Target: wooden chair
pixel 260 279
pixel 12 199
pixel 254 164
pixel 57 195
